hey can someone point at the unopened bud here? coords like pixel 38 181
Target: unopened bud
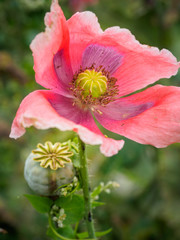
pixel 55 219
pixel 108 190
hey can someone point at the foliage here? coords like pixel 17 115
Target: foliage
pixel 41 204
pixel 73 207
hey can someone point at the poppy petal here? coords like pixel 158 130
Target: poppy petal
pixel 41 110
pixel 141 64
pixel 158 124
pixel 99 56
pixel 46 45
pixel 83 28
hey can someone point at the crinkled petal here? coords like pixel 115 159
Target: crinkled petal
pixel 40 109
pixel 141 64
pixel 83 28
pixel 46 45
pixel 158 125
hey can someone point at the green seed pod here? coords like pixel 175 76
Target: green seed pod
pixel 45 181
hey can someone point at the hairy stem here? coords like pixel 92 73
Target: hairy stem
pixel 86 190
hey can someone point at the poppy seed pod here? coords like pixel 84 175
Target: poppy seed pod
pixel 45 181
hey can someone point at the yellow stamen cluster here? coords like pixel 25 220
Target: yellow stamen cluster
pixel 92 82
pixel 52 155
pixel 93 86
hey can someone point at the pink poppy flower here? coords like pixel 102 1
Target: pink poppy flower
pixel 90 72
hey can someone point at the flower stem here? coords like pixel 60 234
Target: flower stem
pixel 76 228
pixel 86 190
pixel 54 231
pixel 59 235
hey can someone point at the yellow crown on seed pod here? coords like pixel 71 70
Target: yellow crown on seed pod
pixel 92 82
pixel 53 155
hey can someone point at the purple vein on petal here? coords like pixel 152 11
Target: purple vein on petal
pixel 122 110
pixel 65 108
pixel 107 57
pixel 62 67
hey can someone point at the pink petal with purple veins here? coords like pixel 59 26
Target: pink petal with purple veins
pixel 83 28
pixel 123 109
pixel 98 55
pixel 159 125
pixel 63 68
pixel 36 110
pixel 46 44
pixel 65 108
pixel 142 65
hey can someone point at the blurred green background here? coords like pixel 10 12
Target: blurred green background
pixel 147 204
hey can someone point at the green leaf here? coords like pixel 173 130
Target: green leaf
pixel 98 234
pixel 75 158
pixel 51 234
pixel 66 231
pixel 96 191
pixel 73 207
pixel 73 146
pixel 41 204
pixel 97 204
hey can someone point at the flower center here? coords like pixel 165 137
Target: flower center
pixel 93 86
pixel 92 82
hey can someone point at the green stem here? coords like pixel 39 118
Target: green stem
pixel 86 190
pixel 76 228
pixel 54 231
pixel 59 235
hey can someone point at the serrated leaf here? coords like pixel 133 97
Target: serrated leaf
pixel 73 207
pixel 98 234
pixel 41 204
